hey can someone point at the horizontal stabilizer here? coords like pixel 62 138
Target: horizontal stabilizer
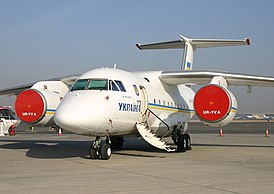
pixel 190 45
pixel 196 43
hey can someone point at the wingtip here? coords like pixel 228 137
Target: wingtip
pixel 247 40
pixel 138 46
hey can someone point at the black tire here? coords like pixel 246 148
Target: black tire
pixel 93 153
pixel 181 144
pixel 105 151
pixel 188 141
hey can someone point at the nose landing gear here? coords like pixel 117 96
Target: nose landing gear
pixel 99 149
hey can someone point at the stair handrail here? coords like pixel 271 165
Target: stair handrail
pixel 168 129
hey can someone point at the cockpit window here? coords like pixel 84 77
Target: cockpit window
pixel 113 86
pixel 98 84
pixel 80 84
pixel 120 85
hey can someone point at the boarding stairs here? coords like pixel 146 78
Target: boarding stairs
pixel 145 131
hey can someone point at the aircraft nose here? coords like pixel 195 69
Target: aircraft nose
pixel 81 115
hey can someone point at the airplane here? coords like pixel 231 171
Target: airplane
pixel 258 116
pixel 110 104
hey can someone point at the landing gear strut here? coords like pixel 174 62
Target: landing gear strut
pixel 99 149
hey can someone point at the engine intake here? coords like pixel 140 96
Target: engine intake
pixel 215 105
pixel 37 105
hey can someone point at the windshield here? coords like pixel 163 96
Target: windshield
pixel 90 84
pixel 98 84
pixel 80 84
pixel 7 114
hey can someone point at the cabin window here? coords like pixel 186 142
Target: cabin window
pixel 98 84
pixel 120 85
pixel 154 101
pixel 167 103
pixel 164 103
pixel 159 101
pixel 80 84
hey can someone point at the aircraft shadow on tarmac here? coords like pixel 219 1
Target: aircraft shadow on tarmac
pixel 71 149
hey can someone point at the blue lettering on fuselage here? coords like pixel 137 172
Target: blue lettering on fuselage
pixel 129 107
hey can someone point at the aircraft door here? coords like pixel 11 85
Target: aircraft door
pixel 144 103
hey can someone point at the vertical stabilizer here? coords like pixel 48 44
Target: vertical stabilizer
pixel 187 60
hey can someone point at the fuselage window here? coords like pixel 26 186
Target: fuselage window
pixel 98 84
pixel 120 85
pixel 154 101
pixel 168 103
pixel 136 90
pixel 159 101
pixel 80 84
pixel 113 86
pixel 164 103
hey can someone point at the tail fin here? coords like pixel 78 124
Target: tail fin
pixel 190 45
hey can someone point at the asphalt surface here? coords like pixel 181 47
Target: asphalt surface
pixel 39 161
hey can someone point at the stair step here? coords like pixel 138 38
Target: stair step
pixel 151 137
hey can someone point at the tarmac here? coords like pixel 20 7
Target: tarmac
pixel 39 161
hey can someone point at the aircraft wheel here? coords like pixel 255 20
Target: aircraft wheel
pixel 105 151
pixel 93 153
pixel 181 144
pixel 188 141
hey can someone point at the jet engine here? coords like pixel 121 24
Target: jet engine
pixel 37 105
pixel 215 105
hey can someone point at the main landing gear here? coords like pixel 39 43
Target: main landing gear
pixel 103 150
pixel 183 141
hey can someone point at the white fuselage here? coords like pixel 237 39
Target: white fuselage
pixel 113 112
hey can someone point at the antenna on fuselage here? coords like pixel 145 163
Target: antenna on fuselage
pixel 190 45
pixel 114 66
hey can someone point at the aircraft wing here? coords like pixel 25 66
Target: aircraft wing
pixel 69 80
pixel 204 77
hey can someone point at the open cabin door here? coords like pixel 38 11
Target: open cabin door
pixel 144 103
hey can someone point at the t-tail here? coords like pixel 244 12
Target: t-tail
pixel 190 45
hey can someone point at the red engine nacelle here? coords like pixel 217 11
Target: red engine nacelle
pixel 37 105
pixel 215 105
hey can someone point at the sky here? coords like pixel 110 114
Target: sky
pixel 45 39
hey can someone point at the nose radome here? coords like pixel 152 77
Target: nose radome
pixel 65 118
pixel 80 115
